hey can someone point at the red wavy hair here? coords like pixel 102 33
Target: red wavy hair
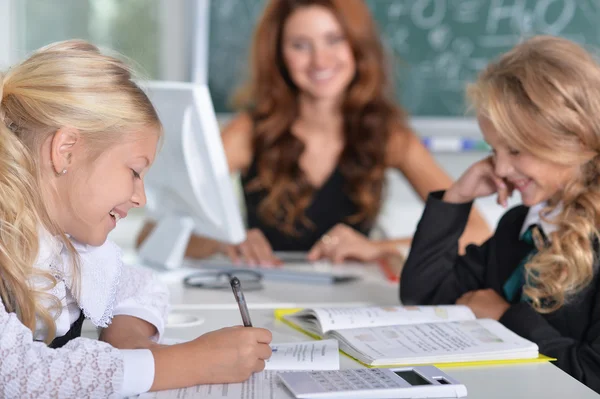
pixel 368 109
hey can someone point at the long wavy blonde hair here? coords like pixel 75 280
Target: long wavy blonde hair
pixel 64 84
pixel 543 97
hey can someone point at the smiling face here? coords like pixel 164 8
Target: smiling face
pixel 317 54
pixel 536 179
pixel 96 192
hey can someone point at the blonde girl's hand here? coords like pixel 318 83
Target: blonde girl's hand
pixel 342 242
pixel 223 356
pixel 232 354
pixel 480 180
pixel 254 251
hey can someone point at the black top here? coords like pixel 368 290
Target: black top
pixel 329 206
pixel 74 332
pixel 434 273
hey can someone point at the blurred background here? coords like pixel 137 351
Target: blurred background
pixel 435 47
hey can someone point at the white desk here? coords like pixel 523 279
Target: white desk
pixel 371 288
pixel 287 294
pixel 536 380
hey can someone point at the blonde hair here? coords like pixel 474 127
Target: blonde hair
pixel 543 97
pixel 64 84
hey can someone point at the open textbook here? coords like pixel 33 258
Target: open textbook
pixel 408 335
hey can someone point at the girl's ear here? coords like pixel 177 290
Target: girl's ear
pixel 65 142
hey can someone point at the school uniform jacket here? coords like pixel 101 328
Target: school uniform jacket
pixel 434 273
pixel 74 367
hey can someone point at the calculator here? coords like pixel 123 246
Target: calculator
pixel 405 382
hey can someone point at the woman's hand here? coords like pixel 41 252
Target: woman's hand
pixel 255 251
pixel 485 303
pixel 343 242
pixel 227 355
pixel 479 180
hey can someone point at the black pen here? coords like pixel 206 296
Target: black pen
pixel 236 287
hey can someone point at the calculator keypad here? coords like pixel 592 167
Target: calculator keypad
pixel 354 380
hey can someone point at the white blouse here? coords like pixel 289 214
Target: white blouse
pixel 83 367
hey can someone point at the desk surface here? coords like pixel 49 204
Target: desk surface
pixel 218 309
pixel 371 288
pixel 287 294
pixel 536 380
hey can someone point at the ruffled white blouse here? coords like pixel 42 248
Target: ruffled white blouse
pixel 83 367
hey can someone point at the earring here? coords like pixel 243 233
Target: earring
pixel 64 171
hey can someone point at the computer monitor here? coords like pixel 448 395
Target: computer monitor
pixel 189 189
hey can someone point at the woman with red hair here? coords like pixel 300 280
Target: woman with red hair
pixel 318 129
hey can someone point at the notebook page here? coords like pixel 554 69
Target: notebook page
pixel 261 385
pixel 311 355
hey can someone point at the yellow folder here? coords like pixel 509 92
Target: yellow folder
pixel 279 313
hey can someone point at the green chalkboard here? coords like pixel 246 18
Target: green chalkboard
pixel 435 46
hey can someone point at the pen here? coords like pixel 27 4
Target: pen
pixel 236 287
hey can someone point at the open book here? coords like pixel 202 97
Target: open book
pixel 403 335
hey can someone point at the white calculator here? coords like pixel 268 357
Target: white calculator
pixel 405 382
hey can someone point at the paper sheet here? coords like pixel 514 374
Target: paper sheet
pixel 260 386
pixel 306 355
pixel 310 355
